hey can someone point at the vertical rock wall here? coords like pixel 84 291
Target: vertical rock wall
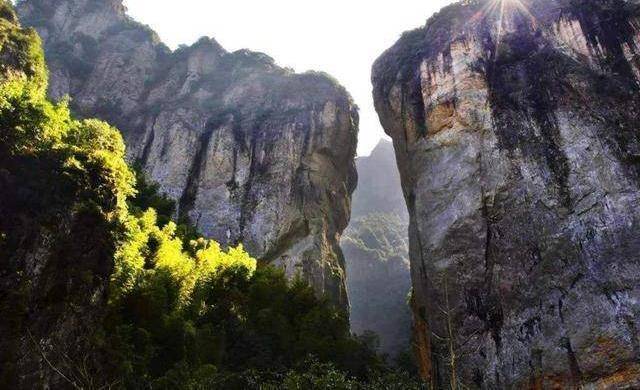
pixel 515 125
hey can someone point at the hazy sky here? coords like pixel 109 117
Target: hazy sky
pixel 340 37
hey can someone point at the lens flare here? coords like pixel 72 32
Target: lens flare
pixel 499 11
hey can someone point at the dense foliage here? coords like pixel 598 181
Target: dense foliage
pixel 181 312
pixel 63 190
pixel 378 277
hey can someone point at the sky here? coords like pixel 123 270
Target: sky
pixel 340 37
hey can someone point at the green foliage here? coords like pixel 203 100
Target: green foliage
pixel 310 374
pixel 148 196
pixel 20 50
pixel 174 315
pixel 31 125
pixel 377 254
pixel 64 187
pixel 196 316
pixel 89 150
pixel 385 234
pixel 7 13
pixel 181 312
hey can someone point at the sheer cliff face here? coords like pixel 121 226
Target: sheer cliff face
pixel 515 125
pixel 253 153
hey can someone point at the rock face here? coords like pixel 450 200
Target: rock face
pixel 252 152
pixel 376 253
pixel 515 125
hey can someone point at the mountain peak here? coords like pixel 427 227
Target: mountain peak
pixel 384 147
pixel 216 131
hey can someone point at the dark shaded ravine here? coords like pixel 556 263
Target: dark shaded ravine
pixel 377 253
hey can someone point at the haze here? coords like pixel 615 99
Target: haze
pixel 340 37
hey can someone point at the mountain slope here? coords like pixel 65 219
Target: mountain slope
pixel 98 290
pixel 515 127
pixel 252 152
pixel 379 189
pixel 376 249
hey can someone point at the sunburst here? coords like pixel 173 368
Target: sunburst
pixel 498 10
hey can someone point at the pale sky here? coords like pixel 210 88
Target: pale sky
pixel 340 37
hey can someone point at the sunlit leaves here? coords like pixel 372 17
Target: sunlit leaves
pixel 147 249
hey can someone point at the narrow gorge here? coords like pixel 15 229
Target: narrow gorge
pixel 376 251
pixel 515 125
pixel 197 218
pixel 253 153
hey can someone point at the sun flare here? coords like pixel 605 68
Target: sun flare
pixel 499 10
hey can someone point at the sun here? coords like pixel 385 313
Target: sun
pixel 498 10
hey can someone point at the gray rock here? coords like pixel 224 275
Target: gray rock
pixel 253 153
pixel 515 129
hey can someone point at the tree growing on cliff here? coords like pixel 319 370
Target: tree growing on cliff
pixel 179 313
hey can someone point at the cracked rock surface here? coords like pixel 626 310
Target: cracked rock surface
pixel 515 126
pixel 253 153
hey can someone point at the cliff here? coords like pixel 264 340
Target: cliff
pixel 252 152
pixel 376 253
pixel 515 128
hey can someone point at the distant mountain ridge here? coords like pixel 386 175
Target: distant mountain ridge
pixel 379 189
pixel 377 254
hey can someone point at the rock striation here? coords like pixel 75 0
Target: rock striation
pixel 515 125
pixel 253 153
pixel 376 251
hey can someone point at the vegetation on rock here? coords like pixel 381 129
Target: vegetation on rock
pixel 376 249
pixel 376 254
pixel 99 288
pixel 251 152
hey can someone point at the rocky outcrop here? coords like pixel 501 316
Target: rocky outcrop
pixel 376 253
pixel 252 153
pixel 515 125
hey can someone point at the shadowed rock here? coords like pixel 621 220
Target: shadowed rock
pixel 515 126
